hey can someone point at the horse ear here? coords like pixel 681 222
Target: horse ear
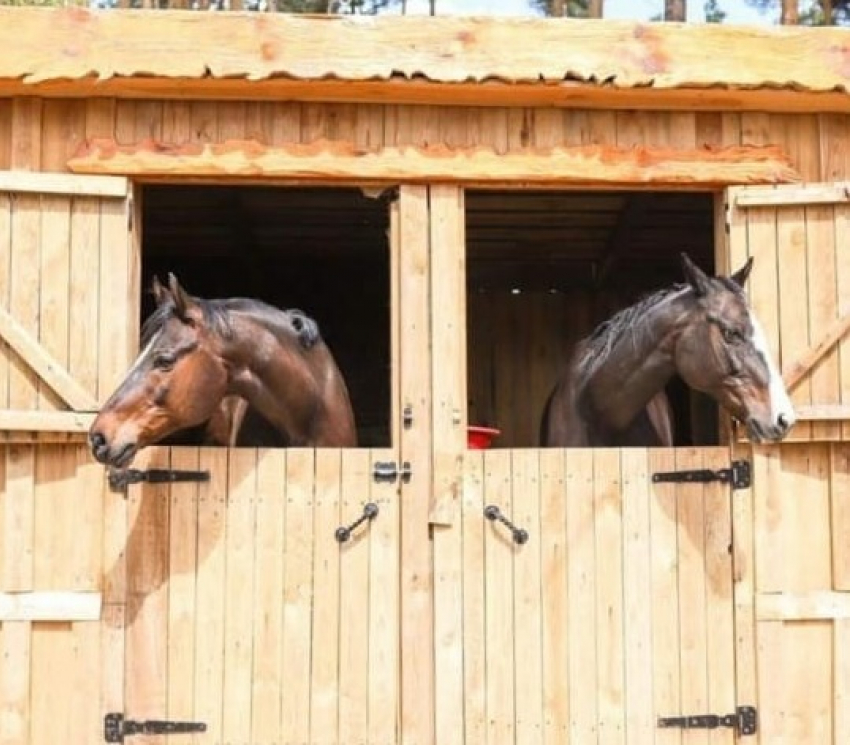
pixel 182 300
pixel 695 276
pixel 740 277
pixel 159 291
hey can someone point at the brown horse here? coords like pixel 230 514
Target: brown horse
pixel 214 364
pixel 612 393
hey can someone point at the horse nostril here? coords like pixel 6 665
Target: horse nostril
pixel 782 421
pixel 97 440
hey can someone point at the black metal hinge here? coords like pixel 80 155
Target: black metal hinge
pixel 116 728
pixel 387 472
pixel 744 721
pixel 119 480
pixel 738 475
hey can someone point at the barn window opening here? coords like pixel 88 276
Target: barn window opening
pixel 324 251
pixel 544 268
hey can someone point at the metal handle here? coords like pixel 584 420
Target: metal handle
pixel 491 512
pixel 370 511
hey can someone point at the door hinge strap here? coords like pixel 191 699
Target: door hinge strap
pixel 744 721
pixel 388 472
pixel 738 475
pixel 120 479
pixel 116 728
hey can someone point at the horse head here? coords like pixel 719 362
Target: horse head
pixel 722 351
pixel 178 380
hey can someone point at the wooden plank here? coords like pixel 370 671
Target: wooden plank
pixel 46 421
pixel 637 589
pixel 416 581
pixel 18 544
pixel 804 606
pixel 33 182
pixel 54 310
pixel 384 632
pixel 841 678
pixel 692 591
pixel 610 650
pixel 500 633
pixel 182 579
pixel 792 301
pixel 6 207
pixel 800 367
pixel 474 601
pixel 555 610
pixel 581 582
pixel 47 605
pixel 823 413
pixel 267 681
pixel 324 671
pixel 209 593
pixel 354 573
pixel 785 196
pixel 839 494
pixel 15 678
pixel 448 309
pixel 719 605
pixel 239 598
pixel 297 595
pixel 527 602
pixel 43 363
pixel 842 283
pixel 325 160
pixel 664 599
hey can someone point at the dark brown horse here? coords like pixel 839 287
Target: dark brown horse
pixel 612 393
pixel 214 364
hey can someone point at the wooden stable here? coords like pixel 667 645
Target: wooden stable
pixel 456 215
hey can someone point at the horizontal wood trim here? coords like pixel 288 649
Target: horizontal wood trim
pixel 64 184
pixel 823 412
pixel 342 162
pixel 44 365
pixel 50 606
pixel 814 354
pixel 45 421
pixel 838 193
pixel 248 49
pixel 810 606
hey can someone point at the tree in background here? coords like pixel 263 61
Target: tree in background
pixel 569 8
pixel 808 13
pixel 675 10
pixel 713 13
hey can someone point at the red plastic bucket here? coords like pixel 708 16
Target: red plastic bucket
pixel 480 438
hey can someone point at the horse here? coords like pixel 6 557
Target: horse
pixel 213 364
pixel 611 393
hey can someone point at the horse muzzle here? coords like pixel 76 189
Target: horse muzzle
pixel 118 456
pixel 759 431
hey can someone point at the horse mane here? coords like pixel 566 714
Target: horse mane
pixel 217 315
pixel 597 346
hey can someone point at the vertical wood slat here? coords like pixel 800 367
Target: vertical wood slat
pixel 839 472
pixel 327 572
pixel 269 557
pixel 417 665
pixel 239 599
pixel 608 531
pixel 499 592
pixel 527 642
pixel 556 617
pixel 354 603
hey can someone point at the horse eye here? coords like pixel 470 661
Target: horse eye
pixel 730 336
pixel 164 361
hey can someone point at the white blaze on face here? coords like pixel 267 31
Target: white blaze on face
pixel 780 402
pixel 143 355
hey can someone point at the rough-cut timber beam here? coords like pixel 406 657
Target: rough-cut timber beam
pixel 335 162
pixel 189 51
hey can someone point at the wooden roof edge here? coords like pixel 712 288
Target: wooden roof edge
pixel 55 51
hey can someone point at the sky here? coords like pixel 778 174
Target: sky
pixel 737 11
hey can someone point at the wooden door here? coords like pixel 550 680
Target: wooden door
pixel 792 563
pixel 66 331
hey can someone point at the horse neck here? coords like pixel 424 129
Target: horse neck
pixel 272 373
pixel 639 363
